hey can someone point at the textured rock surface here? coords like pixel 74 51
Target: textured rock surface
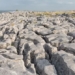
pixel 64 63
pixel 36 44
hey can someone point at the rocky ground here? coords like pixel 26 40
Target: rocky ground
pixel 36 45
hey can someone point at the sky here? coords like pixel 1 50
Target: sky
pixel 37 5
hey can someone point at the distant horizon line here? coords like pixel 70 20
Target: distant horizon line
pixel 37 10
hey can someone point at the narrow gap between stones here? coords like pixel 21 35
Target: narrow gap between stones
pixel 37 33
pixel 33 61
pixel 47 51
pixel 18 42
pixel 46 47
pixel 44 38
pixel 32 57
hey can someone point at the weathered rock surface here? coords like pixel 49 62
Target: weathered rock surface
pixel 43 67
pixel 64 63
pixel 68 47
pixel 33 44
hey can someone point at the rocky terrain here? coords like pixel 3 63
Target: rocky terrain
pixel 36 44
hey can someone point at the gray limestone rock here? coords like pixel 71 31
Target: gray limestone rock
pixel 12 49
pixel 64 63
pixel 7 72
pixel 37 43
pixel 3 45
pixel 68 47
pixel 72 34
pixel 49 70
pixel 43 67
